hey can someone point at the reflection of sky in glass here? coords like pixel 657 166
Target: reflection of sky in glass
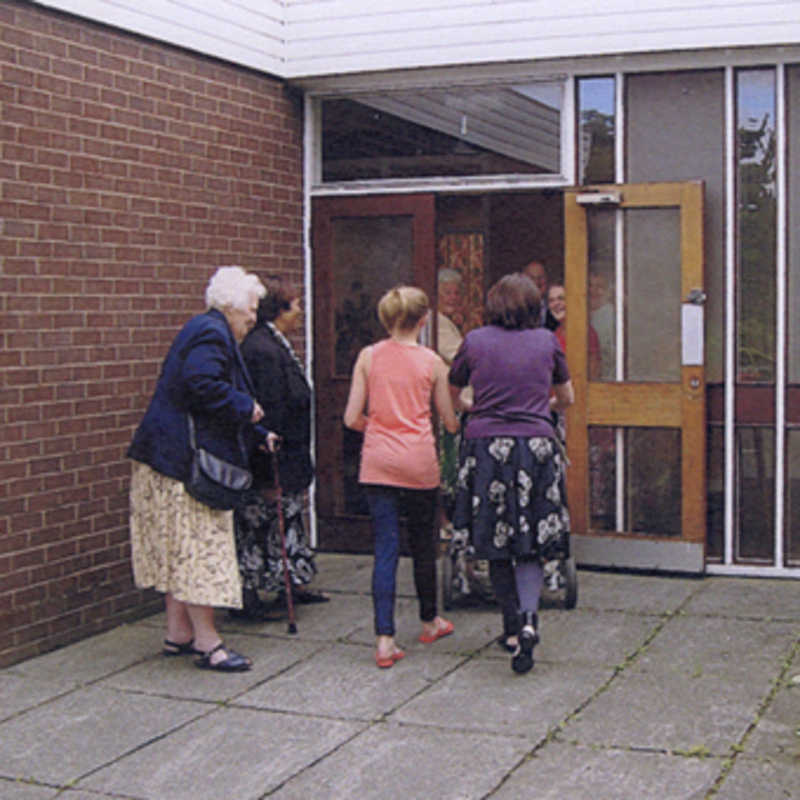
pixel 547 93
pixel 596 94
pixel 755 97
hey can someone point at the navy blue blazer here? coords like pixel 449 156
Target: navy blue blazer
pixel 204 373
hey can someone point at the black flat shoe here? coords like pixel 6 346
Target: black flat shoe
pixel 235 662
pixel 180 648
pixel 522 660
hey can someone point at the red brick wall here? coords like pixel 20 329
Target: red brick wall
pixel 129 171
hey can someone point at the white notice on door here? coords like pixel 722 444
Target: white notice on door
pixel 692 335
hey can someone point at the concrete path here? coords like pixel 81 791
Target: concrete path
pixel 651 688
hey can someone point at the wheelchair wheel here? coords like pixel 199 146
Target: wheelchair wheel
pixel 570 575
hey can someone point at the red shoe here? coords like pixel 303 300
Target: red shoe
pixel 444 630
pixel 384 662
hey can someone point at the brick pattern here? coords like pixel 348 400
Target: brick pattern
pixel 129 171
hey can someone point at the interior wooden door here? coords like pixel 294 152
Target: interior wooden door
pixel 636 434
pixel 362 246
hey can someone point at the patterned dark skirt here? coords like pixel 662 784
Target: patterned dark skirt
pixel 511 497
pixel 258 542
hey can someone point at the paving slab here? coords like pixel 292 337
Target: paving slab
pixel 777 734
pixel 639 594
pixel 17 790
pixel 561 771
pixel 694 647
pixel 232 753
pixel 342 681
pixel 589 637
pixel 177 677
pixel 319 621
pixel 92 658
pixel 390 761
pixel 747 597
pixel 63 740
pixel 670 711
pixel 484 695
pixel 20 693
pixel 753 779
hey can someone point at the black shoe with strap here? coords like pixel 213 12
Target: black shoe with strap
pixel 522 660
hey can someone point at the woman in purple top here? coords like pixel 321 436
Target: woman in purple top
pixel 510 497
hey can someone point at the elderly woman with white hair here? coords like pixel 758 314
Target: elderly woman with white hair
pixel 181 546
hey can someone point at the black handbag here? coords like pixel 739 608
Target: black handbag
pixel 213 481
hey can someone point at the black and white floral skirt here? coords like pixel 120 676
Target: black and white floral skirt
pixel 258 542
pixel 511 497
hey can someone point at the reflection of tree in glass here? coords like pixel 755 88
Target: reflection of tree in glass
pixel 756 184
pixel 597 144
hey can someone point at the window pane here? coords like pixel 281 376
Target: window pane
pixel 674 132
pixel 653 294
pixel 715 474
pixel 653 496
pixel 793 228
pixel 755 451
pixel 755 173
pixel 792 544
pixel 652 486
pixel 596 135
pixel 370 255
pixel 602 478
pixel 483 130
pixel 602 298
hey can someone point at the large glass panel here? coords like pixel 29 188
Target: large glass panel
pixel 477 130
pixel 601 304
pixel 792 540
pixel 673 133
pixel 653 491
pixel 652 485
pixel 715 473
pixel 370 255
pixel 653 294
pixel 602 478
pixel 755 461
pixel 793 227
pixel 597 131
pixel 755 174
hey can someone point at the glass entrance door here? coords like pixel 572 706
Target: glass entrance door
pixel 636 434
pixel 362 247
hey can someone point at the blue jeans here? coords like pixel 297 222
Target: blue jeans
pixel 386 503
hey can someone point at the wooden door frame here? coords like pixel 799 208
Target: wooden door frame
pixel 679 405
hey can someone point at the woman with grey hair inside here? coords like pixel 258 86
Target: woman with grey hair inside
pixel 179 545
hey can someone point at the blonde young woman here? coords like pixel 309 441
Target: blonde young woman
pixel 396 379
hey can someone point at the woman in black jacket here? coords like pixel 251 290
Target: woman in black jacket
pixel 284 394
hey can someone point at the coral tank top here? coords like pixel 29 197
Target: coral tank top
pixel 399 448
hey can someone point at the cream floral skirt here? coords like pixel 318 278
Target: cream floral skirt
pixel 179 545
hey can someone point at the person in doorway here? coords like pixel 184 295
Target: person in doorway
pixel 603 320
pixel 449 336
pixel 394 382
pixel 284 394
pixel 510 498
pixel 557 306
pixel 537 272
pixel 180 546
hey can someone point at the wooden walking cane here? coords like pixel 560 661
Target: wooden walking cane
pixel 281 528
